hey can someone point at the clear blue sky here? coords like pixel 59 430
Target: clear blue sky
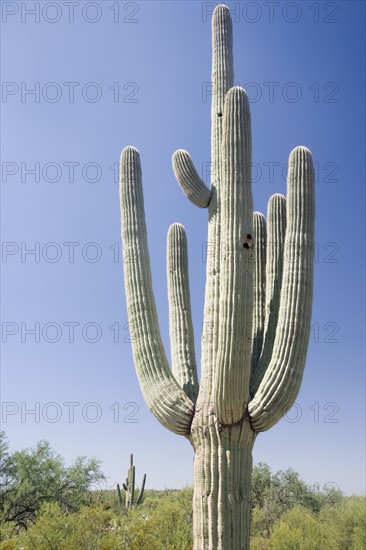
pixel 133 73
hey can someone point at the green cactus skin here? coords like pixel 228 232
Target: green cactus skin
pixel 181 329
pixel 141 493
pixel 129 488
pixel 257 313
pixel 120 502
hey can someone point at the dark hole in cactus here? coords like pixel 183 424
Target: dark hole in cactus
pixel 219 114
pixel 248 243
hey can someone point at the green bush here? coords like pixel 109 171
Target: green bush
pixel 46 506
pixel 298 529
pixel 336 527
pixel 32 477
pixel 164 522
pixel 92 527
pixel 344 525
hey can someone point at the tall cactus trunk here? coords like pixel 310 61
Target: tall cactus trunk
pixel 222 488
pixel 257 312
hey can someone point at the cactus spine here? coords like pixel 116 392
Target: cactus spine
pixel 257 312
pixel 129 488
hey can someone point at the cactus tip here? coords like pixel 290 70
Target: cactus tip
pixel 299 149
pixel 176 226
pixel 221 8
pixel 131 151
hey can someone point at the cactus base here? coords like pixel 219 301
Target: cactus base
pixel 222 486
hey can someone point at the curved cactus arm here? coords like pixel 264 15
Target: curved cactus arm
pixel 190 182
pixel 164 397
pixel 276 219
pixel 141 493
pixel 236 262
pixel 281 382
pixel 181 329
pixel 259 285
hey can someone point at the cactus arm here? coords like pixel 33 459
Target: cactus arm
pixel 281 382
pixel 164 397
pixel 181 329
pixel 276 219
pixel 190 182
pixel 236 262
pixel 119 494
pixel 141 493
pixel 222 81
pixel 259 290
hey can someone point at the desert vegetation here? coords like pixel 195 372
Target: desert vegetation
pixel 45 505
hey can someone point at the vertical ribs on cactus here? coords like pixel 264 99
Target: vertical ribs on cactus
pixel 258 301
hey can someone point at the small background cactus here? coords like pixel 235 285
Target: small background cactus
pixel 130 488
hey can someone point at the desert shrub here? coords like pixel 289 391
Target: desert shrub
pixel 343 526
pixel 298 529
pixel 91 528
pixel 336 527
pixel 32 477
pixel 162 522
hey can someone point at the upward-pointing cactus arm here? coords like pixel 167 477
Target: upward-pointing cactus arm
pixel 281 382
pixel 141 493
pixel 164 397
pixel 276 225
pixel 259 283
pixel 181 329
pixel 236 261
pixel 190 182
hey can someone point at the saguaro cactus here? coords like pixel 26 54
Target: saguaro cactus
pixel 129 488
pixel 257 307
